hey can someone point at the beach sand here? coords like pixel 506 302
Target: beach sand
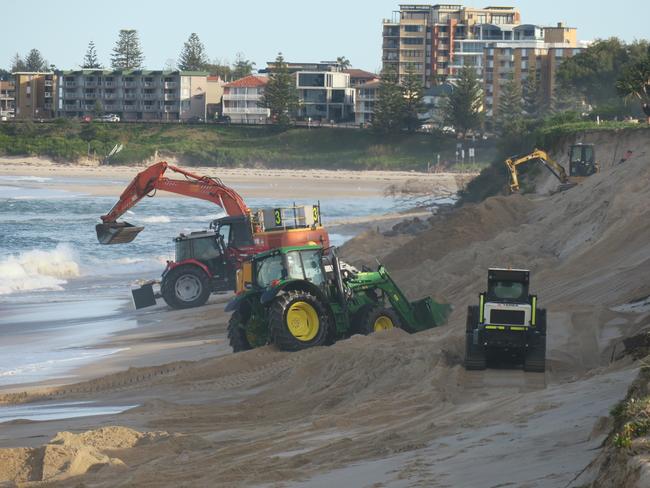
pixel 390 409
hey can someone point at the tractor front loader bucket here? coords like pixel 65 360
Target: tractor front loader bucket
pixel 116 232
pixel 429 313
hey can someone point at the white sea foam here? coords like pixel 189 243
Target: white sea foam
pixel 157 219
pixel 35 179
pixel 38 270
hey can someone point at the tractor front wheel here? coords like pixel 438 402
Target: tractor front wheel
pixel 377 319
pixel 237 333
pixel 298 320
pixel 185 286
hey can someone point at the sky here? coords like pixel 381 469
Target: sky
pixel 304 31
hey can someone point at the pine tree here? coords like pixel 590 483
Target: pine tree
pixel 90 59
pixel 17 64
pixel 242 67
pixel 389 111
pixel 413 93
pixel 193 57
pixel 510 120
pixel 532 95
pixel 34 61
pixel 127 53
pixel 280 95
pixel 464 107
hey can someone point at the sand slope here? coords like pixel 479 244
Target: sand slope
pixel 395 410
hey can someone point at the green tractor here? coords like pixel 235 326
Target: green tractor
pixel 304 296
pixel 506 325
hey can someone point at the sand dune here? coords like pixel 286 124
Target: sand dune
pixel 393 409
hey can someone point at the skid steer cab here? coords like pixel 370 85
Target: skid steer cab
pixel 305 296
pixel 506 326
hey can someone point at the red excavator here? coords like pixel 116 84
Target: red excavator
pixel 207 261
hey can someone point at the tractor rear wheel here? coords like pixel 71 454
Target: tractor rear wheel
pixel 378 318
pixel 237 333
pixel 298 320
pixel 475 357
pixel 185 286
pixel 535 355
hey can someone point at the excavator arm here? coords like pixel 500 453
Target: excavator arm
pixel 539 156
pixel 145 183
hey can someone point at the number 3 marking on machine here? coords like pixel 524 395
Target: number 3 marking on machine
pixel 278 216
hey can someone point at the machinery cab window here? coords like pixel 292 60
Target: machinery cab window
pixel 507 291
pixel 268 270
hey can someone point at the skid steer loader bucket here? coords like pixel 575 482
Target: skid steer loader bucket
pixel 429 313
pixel 116 232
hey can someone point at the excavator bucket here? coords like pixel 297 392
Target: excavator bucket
pixel 116 232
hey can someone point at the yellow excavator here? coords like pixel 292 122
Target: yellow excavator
pixel 582 163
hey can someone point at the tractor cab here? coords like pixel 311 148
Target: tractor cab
pixel 203 246
pixel 507 302
pixel 582 160
pixel 291 263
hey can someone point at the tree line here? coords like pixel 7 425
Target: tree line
pixel 127 54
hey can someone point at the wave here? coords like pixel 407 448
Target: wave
pixel 38 270
pixel 156 219
pixel 35 179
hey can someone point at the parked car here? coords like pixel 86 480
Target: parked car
pixel 109 118
pixel 223 119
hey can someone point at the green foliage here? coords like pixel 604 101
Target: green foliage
pixel 344 62
pixel 242 67
pixel 280 95
pixel 214 145
pixel 34 61
pixel 533 99
pixel 389 114
pixel 127 53
pixel 510 115
pixel 17 63
pixel 90 58
pixel 193 56
pixel 593 73
pixel 634 82
pixel 464 106
pixel 219 68
pixel 413 96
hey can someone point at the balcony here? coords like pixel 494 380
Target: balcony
pixel 109 84
pixel 130 96
pixel 47 94
pixel 170 84
pixel 90 84
pixel 150 96
pixel 171 96
pixel 150 84
pixel 130 84
pixel 109 95
pixel 48 82
pixel 170 108
pixel 246 110
pixel 252 98
pixel 130 108
pixel 150 108
pixel 71 84
pixel 90 96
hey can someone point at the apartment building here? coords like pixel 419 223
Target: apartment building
pixel 134 94
pixel 505 62
pixel 325 95
pixel 365 100
pixel 213 97
pixel 34 95
pixel 241 99
pixel 7 98
pixel 421 38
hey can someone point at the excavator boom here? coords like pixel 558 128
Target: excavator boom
pixel 539 156
pixel 110 231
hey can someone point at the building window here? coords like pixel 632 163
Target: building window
pixel 413 28
pixel 413 40
pixel 311 79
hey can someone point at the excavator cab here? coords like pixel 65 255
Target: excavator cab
pixel 582 160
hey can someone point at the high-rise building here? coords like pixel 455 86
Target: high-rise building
pixel 421 38
pixel 35 93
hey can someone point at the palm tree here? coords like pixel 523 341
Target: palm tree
pixel 344 62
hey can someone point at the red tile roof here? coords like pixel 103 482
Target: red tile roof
pixel 359 73
pixel 251 81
